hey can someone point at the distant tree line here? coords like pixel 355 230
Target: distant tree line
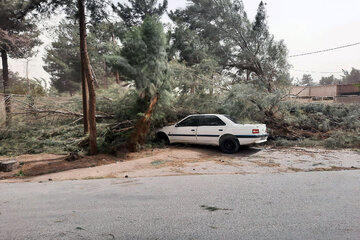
pixel 352 77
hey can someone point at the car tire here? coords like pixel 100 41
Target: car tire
pixel 162 138
pixel 229 145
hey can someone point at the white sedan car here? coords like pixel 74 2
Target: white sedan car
pixel 213 129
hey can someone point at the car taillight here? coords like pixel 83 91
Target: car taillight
pixel 255 131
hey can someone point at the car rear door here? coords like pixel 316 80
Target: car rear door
pixel 185 131
pixel 209 129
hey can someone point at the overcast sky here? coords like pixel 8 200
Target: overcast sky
pixel 305 26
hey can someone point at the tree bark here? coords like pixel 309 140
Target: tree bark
pixel 85 99
pixel 192 89
pixel 105 76
pixel 8 165
pixel 86 69
pixel 27 76
pixel 141 129
pixel 7 96
pixel 117 77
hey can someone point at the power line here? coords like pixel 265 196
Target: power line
pixel 325 50
pixel 297 70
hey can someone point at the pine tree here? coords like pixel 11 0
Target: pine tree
pixel 307 80
pixel 138 10
pixel 18 36
pixel 76 9
pixel 351 78
pixel 240 46
pixel 143 60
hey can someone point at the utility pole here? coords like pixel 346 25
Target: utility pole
pixel 27 75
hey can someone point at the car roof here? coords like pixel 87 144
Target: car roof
pixel 207 114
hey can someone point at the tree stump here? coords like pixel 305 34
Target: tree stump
pixel 72 157
pixel 8 165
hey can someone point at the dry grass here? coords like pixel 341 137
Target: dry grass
pixel 332 168
pixel 266 164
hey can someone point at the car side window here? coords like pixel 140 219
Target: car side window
pixel 189 122
pixel 211 121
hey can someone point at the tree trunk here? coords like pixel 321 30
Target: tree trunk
pixel 86 68
pixel 93 76
pixel 105 76
pixel 141 129
pixel 27 76
pixel 7 95
pixel 117 77
pixel 8 165
pixel 85 99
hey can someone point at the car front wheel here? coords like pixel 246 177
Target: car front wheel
pixel 162 138
pixel 229 145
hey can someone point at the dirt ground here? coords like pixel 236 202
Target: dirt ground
pixel 182 160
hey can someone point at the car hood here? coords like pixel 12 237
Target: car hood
pixel 165 129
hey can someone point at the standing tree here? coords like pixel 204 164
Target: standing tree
pixel 102 42
pixel 351 78
pixel 76 9
pixel 133 15
pixel 307 80
pixel 18 36
pixel 329 80
pixel 138 10
pixel 62 59
pixel 241 46
pixel 143 60
pixel 89 78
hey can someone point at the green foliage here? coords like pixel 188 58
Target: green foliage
pixel 143 58
pixel 202 78
pixel 247 102
pixel 307 80
pixel 188 46
pixel 18 34
pixel 22 88
pixel 40 8
pixel 138 10
pixel 63 62
pixel 329 80
pixel 340 139
pixel 352 77
pixel 325 125
pixel 19 85
pixel 39 137
pixel 245 48
pixel 220 62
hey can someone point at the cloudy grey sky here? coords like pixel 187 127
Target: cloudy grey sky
pixel 305 26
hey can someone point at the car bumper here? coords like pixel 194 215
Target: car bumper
pixel 261 140
pixel 251 139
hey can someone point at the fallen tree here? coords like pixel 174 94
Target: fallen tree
pixel 30 108
pixel 143 60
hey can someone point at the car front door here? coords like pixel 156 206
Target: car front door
pixel 209 129
pixel 185 131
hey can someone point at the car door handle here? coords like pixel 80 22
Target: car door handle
pixel 220 130
pixel 193 130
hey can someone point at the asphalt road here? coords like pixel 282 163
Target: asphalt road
pixel 317 205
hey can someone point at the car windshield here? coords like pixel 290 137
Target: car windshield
pixel 231 119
